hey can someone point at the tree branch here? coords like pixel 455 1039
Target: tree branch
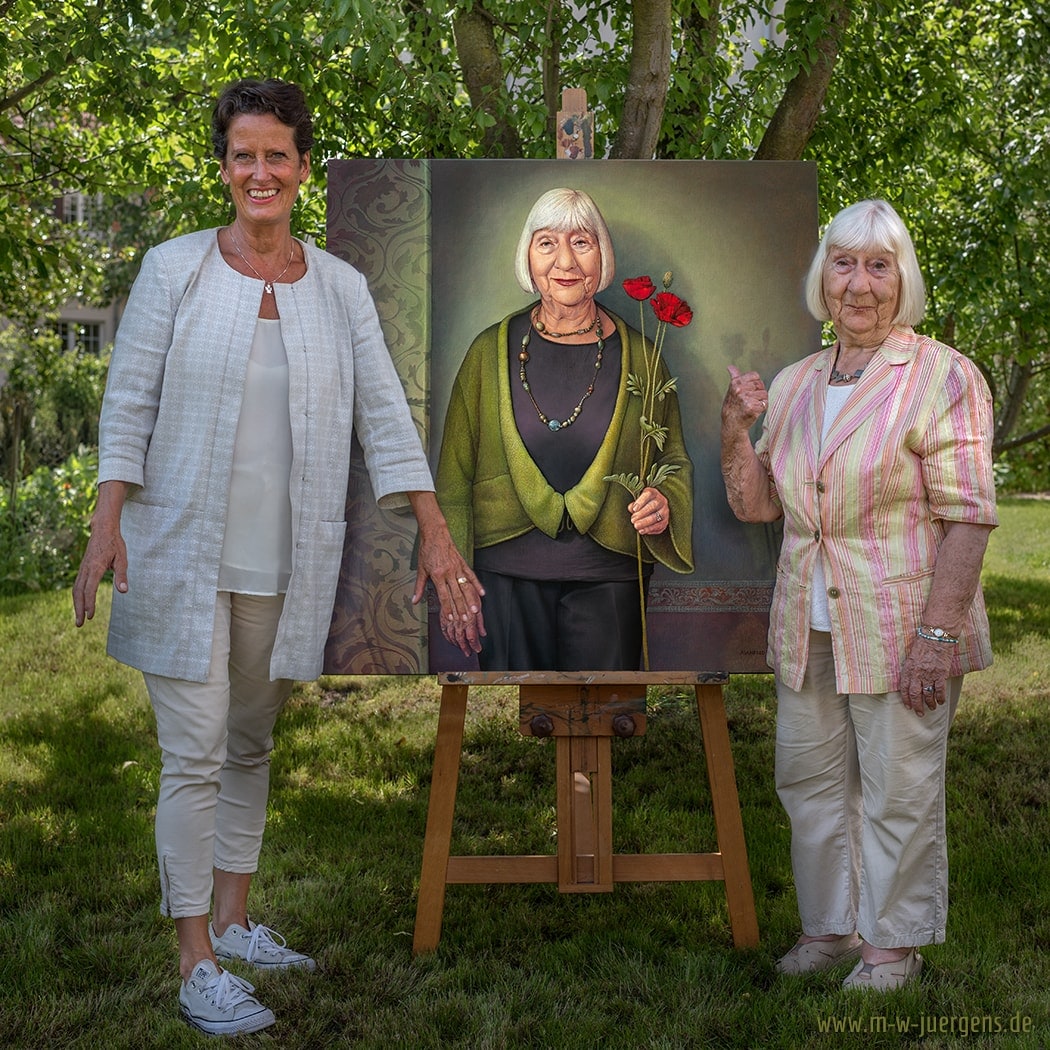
pixel 796 116
pixel 480 60
pixel 1024 439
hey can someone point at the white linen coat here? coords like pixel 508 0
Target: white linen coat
pixel 169 418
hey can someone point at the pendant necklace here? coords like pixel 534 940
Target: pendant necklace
pixel 555 425
pixel 267 284
pixel 844 377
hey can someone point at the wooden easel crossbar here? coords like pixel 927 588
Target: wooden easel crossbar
pixel 584 711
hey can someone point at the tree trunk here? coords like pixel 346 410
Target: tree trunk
pixel 643 107
pixel 479 58
pixel 796 116
pixel 694 72
pixel 552 69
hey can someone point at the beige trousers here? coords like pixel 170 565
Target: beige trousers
pixel 862 779
pixel 215 738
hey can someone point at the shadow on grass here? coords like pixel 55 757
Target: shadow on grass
pixel 85 807
pixel 1017 608
pixel 351 775
pixel 505 806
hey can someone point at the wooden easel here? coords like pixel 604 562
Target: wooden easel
pixel 584 711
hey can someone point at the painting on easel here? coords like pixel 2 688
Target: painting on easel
pixel 659 274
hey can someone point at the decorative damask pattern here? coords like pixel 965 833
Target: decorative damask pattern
pixel 378 220
pixel 720 596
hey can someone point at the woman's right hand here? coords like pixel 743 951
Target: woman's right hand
pixel 747 483
pixel 105 550
pixel 745 400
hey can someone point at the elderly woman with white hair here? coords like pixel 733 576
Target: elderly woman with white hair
pixel 876 452
pixel 541 414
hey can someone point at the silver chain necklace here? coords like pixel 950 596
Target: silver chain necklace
pixel 267 284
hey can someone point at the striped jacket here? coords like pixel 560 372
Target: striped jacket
pixel 910 450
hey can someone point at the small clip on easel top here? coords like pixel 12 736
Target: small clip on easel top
pixel 575 130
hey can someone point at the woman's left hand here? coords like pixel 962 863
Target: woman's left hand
pixel 650 512
pixel 925 674
pixel 956 576
pixel 459 591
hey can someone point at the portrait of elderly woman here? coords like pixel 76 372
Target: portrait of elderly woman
pixel 541 415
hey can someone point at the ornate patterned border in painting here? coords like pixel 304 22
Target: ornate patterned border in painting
pixel 378 221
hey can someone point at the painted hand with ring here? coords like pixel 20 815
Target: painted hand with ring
pixel 650 512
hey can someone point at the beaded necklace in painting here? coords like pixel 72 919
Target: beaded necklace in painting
pixel 555 425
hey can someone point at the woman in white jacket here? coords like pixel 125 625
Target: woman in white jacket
pixel 243 361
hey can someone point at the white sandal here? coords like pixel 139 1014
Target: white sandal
pixel 885 977
pixel 814 956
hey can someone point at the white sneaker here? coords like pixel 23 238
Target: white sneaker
pixel 258 945
pixel 220 1003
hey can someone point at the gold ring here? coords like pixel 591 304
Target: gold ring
pixel 461 580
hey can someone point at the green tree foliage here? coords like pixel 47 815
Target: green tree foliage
pixel 938 106
pixel 948 121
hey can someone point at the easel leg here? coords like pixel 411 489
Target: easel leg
pixel 444 782
pixel 729 826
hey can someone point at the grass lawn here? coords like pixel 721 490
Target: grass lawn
pixel 86 961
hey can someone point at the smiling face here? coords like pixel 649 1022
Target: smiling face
pixel 862 292
pixel 565 267
pixel 263 168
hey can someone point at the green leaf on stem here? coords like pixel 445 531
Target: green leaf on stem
pixel 654 433
pixel 631 482
pixel 661 473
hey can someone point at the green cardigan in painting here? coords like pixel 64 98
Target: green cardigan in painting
pixel 491 490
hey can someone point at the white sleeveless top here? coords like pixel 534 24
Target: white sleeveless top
pixel 257 547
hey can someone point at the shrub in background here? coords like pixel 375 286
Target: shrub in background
pixel 44 529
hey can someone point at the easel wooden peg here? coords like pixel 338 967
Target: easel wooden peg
pixel 575 129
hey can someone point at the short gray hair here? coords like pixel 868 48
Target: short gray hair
pixel 564 210
pixel 869 226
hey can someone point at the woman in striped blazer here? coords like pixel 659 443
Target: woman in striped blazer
pixel 876 453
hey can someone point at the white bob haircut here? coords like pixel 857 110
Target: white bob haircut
pixel 869 226
pixel 563 211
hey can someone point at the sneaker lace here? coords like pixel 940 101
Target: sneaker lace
pixel 226 990
pixel 263 940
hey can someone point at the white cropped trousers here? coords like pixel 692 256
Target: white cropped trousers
pixel 215 739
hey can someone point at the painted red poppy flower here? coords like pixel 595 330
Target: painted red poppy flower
pixel 639 288
pixel 672 310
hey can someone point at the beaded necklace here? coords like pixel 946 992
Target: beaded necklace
pixel 843 377
pixel 555 425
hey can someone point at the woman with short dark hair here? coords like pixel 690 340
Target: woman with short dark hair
pixel 244 359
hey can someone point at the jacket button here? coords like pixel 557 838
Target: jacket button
pixel 816 535
pixel 834 592
pixel 821 487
